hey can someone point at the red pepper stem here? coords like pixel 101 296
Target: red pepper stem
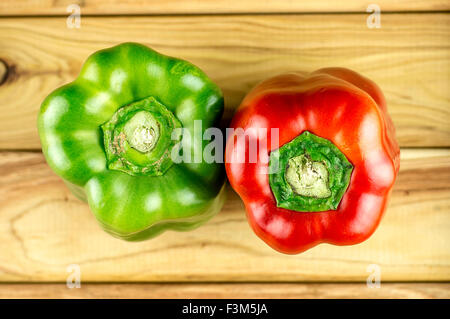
pixel 313 174
pixel 307 177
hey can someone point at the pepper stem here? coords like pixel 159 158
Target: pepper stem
pixel 307 177
pixel 142 131
pixel 314 174
pixel 138 138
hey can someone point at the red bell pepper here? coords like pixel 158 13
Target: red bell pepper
pixel 329 173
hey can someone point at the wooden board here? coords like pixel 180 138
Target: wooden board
pixel 227 291
pixel 44 229
pixel 103 7
pixel 408 57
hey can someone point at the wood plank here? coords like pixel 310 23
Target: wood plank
pixel 227 291
pixel 44 229
pixel 105 7
pixel 408 57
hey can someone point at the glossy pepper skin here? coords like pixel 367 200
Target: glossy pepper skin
pixel 329 105
pixel 119 161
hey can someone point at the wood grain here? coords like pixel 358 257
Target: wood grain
pixel 105 7
pixel 228 291
pixel 408 57
pixel 44 229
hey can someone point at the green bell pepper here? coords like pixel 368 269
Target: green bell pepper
pixel 112 134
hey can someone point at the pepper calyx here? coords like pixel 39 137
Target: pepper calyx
pixel 138 138
pixel 309 174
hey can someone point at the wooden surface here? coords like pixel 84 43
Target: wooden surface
pixel 228 291
pixel 108 7
pixel 408 57
pixel 44 229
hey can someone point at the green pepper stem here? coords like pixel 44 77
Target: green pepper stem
pixel 142 131
pixel 138 138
